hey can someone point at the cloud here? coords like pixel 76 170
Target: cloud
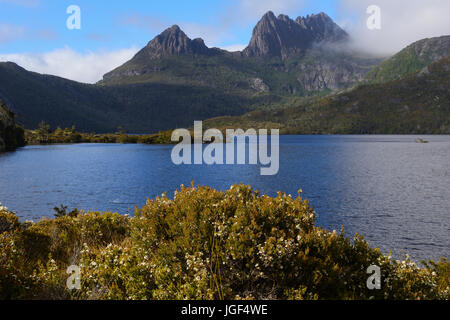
pixel 86 67
pixel 9 32
pixel 402 23
pixel 234 47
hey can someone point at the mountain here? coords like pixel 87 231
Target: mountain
pixel 411 59
pixel 416 104
pixel 174 41
pixel 11 135
pixel 142 107
pixel 285 57
pixel 282 36
pixel 174 80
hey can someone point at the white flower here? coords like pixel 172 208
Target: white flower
pixel 2 208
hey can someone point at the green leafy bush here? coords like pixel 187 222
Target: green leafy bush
pixel 204 244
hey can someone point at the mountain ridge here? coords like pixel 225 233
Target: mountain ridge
pixel 284 57
pixel 138 108
pixel 411 59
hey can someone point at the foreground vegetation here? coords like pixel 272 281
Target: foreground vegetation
pixel 204 244
pixel 44 135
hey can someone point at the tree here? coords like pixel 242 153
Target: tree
pixel 43 132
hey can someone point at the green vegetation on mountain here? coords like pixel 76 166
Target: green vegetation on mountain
pixel 204 244
pixel 11 135
pixel 137 108
pixel 418 103
pixel 413 58
pixel 308 73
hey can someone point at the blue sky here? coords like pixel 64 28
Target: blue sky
pixel 33 33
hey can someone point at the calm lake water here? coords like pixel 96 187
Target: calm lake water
pixel 393 191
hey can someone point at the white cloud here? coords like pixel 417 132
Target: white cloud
pixel 234 47
pixel 86 67
pixel 402 23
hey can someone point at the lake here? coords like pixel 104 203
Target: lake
pixel 390 189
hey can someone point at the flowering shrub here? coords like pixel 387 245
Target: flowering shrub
pixel 204 244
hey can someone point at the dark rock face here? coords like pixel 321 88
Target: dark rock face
pixel 322 75
pixel 274 36
pixel 322 28
pixel 283 36
pixel 11 136
pixel 174 41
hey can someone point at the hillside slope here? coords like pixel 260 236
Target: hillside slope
pixel 148 107
pixel 416 104
pixel 413 58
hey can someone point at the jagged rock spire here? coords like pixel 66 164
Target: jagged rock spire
pixel 283 36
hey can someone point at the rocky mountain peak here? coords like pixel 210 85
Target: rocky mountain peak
pixel 173 41
pixel 322 27
pixel 269 15
pixel 282 36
